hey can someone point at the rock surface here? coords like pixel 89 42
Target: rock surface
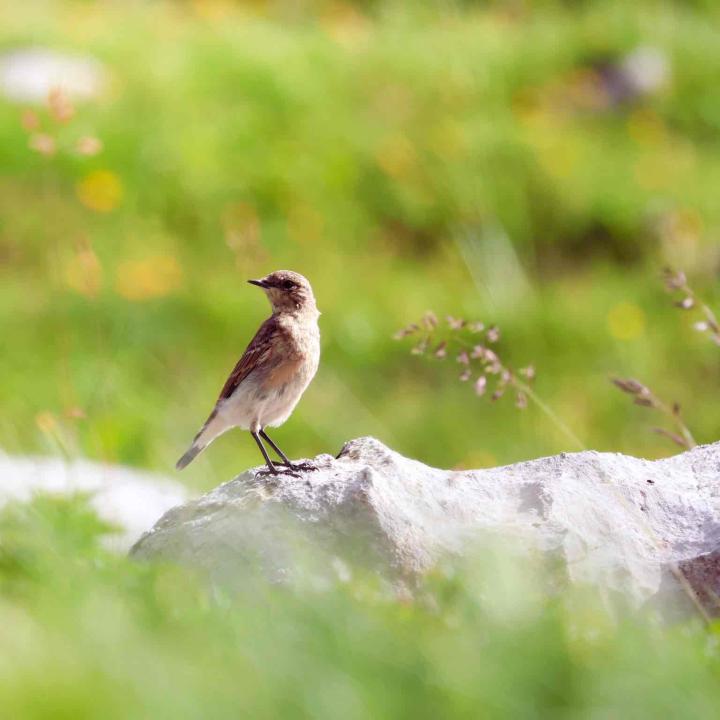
pixel 621 524
pixel 126 498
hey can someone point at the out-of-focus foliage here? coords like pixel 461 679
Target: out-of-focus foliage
pixel 530 165
pixel 86 634
pixel 527 164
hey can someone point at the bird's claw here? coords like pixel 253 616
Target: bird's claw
pixel 302 467
pixel 289 471
pixel 267 472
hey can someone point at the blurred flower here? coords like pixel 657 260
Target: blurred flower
pixel 49 143
pixel 61 109
pixel 626 321
pixel 647 69
pixel 83 273
pixel 603 84
pixel 88 146
pixel 639 74
pixel 100 190
pixel 345 24
pixel 30 120
pixel 42 143
pixel 45 421
pixel 148 278
pixel 213 9
pixel 75 413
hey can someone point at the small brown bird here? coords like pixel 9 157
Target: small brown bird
pixel 273 372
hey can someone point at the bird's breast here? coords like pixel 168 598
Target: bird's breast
pixel 296 358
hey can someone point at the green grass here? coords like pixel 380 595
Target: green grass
pixel 87 634
pixel 391 157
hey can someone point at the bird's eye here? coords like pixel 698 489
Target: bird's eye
pixel 288 284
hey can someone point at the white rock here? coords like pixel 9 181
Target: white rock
pixel 29 74
pixel 127 498
pixel 619 523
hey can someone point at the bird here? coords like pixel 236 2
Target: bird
pixel 272 374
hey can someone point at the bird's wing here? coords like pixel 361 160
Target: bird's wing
pixel 260 351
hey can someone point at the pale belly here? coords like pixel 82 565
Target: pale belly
pixel 252 406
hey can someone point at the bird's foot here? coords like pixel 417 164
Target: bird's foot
pixel 301 467
pixel 275 471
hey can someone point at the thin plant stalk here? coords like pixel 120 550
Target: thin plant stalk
pixel 645 397
pixel 535 398
pixel 677 282
pixel 549 412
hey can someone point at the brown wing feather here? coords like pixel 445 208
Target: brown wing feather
pixel 259 351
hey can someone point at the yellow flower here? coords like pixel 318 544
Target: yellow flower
pixel 100 190
pixel 151 277
pixel 626 321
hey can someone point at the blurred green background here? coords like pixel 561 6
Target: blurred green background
pixel 528 164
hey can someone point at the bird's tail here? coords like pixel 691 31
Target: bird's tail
pixel 207 433
pixel 189 456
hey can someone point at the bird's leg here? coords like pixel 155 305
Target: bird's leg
pixel 271 468
pixel 280 453
pixel 283 457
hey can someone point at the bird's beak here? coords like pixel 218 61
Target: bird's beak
pixel 259 283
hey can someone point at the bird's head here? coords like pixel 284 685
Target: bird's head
pixel 288 292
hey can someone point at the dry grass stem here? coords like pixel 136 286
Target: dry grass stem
pixel 676 282
pixel 469 342
pixel 645 397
